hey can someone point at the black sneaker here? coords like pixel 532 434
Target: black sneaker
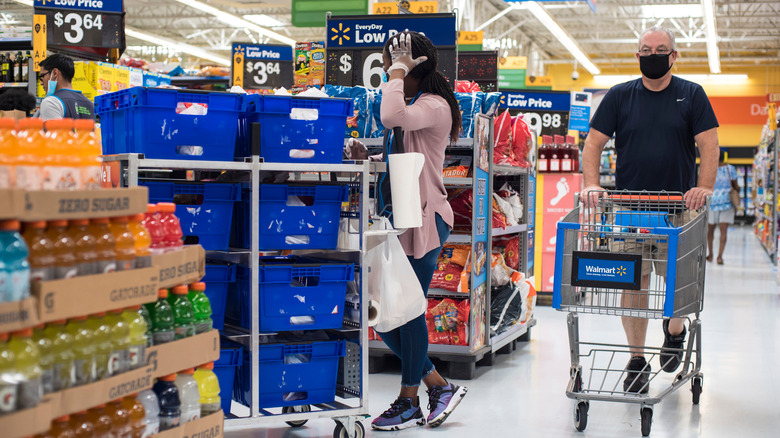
pixel 638 371
pixel 672 351
pixel 401 415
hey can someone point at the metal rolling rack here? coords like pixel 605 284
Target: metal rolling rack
pixel 351 405
pixel 462 360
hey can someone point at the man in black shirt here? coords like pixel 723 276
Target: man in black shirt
pixel 658 121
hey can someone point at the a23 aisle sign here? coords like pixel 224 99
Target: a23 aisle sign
pixel 83 23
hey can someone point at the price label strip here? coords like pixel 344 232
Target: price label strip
pixel 262 67
pixel 547 113
pixel 83 23
pixel 355 43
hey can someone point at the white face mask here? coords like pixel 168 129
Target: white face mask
pixel 52 87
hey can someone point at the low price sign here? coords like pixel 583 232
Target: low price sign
pixel 547 113
pixel 355 43
pixel 83 23
pixel 262 66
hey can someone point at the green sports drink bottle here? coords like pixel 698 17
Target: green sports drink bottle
pixel 201 307
pixel 183 315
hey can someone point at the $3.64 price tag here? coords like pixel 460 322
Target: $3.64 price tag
pixel 259 72
pixel 83 28
pixel 75 23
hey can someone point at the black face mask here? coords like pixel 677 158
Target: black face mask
pixel 654 66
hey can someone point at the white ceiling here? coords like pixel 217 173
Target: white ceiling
pixel 748 31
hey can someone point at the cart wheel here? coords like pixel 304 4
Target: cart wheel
pixel 647 420
pixel 294 409
pixel 581 416
pixel 341 432
pixel 696 389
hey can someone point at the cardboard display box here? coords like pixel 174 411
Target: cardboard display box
pixel 175 356
pixel 27 422
pixel 180 267
pixel 62 299
pixel 206 427
pixel 18 315
pixel 76 204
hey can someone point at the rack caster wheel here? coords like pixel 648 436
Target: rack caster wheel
pixel 341 432
pixel 581 416
pixel 647 420
pixel 294 409
pixel 696 384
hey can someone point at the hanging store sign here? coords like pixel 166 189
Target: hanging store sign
pixel 39 41
pixel 480 67
pixel 83 23
pixel 262 67
pixel 547 113
pixel 413 7
pixel 355 43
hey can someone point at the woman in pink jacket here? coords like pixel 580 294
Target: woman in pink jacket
pixel 420 113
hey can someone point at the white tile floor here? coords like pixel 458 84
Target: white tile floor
pixel 523 394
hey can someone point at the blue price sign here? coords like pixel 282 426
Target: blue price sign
pixel 83 23
pixel 83 5
pixel 262 67
pixel 606 270
pixel 546 112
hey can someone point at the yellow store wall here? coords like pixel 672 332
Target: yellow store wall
pixel 761 80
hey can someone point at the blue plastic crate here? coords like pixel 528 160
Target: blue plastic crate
pixel 295 293
pixel 286 226
pixel 231 356
pixel 284 135
pixel 205 210
pixel 144 120
pixel 292 374
pixel 217 279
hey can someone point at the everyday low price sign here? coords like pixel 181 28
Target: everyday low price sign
pixel 547 113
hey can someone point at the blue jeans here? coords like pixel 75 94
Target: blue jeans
pixel 410 341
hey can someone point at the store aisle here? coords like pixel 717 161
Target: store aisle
pixel 523 394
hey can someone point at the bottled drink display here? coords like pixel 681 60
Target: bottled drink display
pixel 30 154
pixel 137 415
pixel 120 342
pixel 103 346
pixel 156 233
pixel 88 154
pixel 169 402
pixel 45 346
pixel 105 246
pixel 124 243
pixel 101 421
pixel 545 153
pixel 208 385
pixel 142 240
pixel 138 334
pixel 63 357
pixel 201 307
pixel 61 169
pixel 40 251
pixel 9 384
pixel 161 314
pixel 189 395
pixel 9 150
pixel 85 246
pixel 28 368
pixel 120 419
pixel 183 315
pixel 14 267
pixel 14 67
pixel 83 350
pixel 151 411
pixel 80 425
pixel 172 237
pixel 64 249
pixel 574 153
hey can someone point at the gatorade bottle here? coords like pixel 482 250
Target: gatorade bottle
pixel 144 312
pixel 41 251
pixel 125 243
pixel 183 314
pixel 85 246
pixel 62 355
pixel 161 313
pixel 143 241
pixel 170 225
pixel 45 346
pixel 28 368
pixel 60 427
pixel 208 384
pixel 137 415
pixel 81 426
pixel 189 395
pixel 61 165
pixel 120 341
pixel 9 151
pixel 101 421
pixel 13 253
pixel 151 406
pixel 8 383
pixel 201 307
pixel 64 250
pixel 138 329
pixel 168 398
pixel 152 223
pixel 29 165
pixel 103 346
pixel 89 151
pixel 83 350
pixel 120 419
pixel 105 245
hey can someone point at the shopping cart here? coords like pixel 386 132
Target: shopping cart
pixel 635 254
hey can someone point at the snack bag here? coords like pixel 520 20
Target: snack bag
pixel 521 141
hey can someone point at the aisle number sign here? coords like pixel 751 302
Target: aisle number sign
pixel 262 67
pixel 39 41
pixel 413 7
pixel 468 38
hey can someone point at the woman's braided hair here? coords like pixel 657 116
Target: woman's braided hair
pixel 431 80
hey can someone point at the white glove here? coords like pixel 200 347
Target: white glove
pixel 401 54
pixel 355 150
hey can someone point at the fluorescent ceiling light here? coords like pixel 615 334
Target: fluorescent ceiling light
pixel 267 21
pixel 549 22
pixel 25 2
pixel 711 79
pixel 175 45
pixel 236 21
pixel 713 55
pixel 671 11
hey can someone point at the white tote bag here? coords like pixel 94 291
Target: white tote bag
pixel 394 293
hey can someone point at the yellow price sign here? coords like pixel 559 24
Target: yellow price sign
pixel 514 62
pixel 538 81
pixel 384 8
pixel 39 41
pixel 238 66
pixel 468 37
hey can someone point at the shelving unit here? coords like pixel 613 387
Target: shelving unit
pixel 765 191
pixel 15 45
pixel 482 346
pixel 351 403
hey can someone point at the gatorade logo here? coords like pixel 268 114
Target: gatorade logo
pixel 8 398
pixel 48 301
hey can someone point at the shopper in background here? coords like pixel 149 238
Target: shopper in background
pixel 16 103
pixel 658 121
pixel 721 213
pixel 61 100
pixel 422 115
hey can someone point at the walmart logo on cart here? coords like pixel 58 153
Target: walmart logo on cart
pixel 613 271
